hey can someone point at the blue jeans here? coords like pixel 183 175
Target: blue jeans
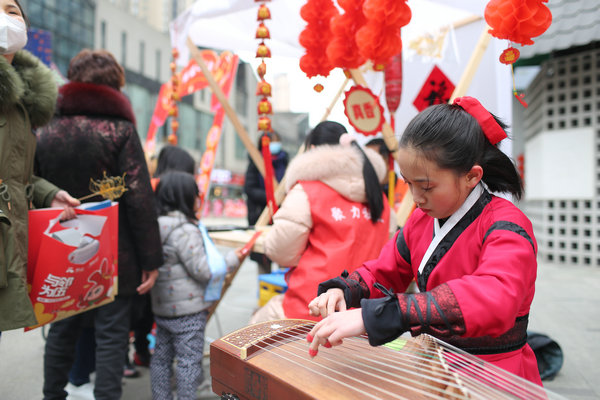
pixel 111 323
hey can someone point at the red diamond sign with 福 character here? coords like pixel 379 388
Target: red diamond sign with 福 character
pixel 437 89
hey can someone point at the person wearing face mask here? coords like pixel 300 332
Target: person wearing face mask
pixel 254 187
pixel 27 98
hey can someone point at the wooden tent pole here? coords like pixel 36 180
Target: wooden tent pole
pixel 472 65
pixel 241 131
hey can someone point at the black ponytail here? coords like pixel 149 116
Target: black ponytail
pixel 453 139
pixel 372 187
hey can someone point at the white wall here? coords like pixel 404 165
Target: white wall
pixel 560 165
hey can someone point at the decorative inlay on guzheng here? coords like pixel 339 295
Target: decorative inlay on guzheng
pixel 270 361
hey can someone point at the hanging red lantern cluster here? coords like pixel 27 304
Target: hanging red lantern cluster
pixel 174 109
pixel 517 21
pixel 379 39
pixel 263 88
pixel 316 36
pixel 342 50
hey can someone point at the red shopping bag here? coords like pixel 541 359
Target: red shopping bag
pixel 72 265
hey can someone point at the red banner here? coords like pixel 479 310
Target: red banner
pixel 223 68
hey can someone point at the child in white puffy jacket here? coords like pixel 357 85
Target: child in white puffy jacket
pixel 178 294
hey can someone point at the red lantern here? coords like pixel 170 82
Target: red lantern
pixel 315 36
pixel 518 20
pixel 379 39
pixel 342 50
pixel 318 88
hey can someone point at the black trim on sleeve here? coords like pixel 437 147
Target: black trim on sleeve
pixel 512 227
pixel 383 318
pixel 402 246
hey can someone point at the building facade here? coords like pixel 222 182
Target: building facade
pixel 557 137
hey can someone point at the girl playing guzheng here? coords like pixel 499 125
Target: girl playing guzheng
pixel 472 254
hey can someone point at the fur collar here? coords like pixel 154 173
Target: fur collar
pixel 77 98
pixel 339 167
pixel 29 82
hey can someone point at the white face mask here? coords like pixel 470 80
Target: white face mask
pixel 13 34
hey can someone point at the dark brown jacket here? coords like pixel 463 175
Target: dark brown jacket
pixel 94 133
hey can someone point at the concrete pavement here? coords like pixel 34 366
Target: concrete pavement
pixel 566 308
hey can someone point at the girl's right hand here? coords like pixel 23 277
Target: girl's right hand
pixel 327 303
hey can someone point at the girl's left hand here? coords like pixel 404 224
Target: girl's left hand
pixel 337 326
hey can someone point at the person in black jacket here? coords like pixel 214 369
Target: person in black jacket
pixel 94 133
pixel 254 188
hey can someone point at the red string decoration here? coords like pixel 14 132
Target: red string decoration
pixel 517 20
pixel 263 88
pixel 379 39
pixel 269 174
pixel 315 36
pixel 342 50
pixel 393 85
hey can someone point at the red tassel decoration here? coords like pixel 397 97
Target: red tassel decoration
pixel 266 153
pixel 379 39
pixel 342 50
pixel 315 37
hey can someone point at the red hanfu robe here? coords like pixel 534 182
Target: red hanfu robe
pixel 488 262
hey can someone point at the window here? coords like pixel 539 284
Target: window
pixel 103 35
pixel 142 56
pixel 123 48
pixel 157 62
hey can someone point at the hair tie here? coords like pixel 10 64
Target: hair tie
pixel 491 129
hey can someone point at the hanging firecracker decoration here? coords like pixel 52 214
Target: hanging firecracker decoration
pixel 264 107
pixel 262 32
pixel 379 39
pixel 393 85
pixel 342 50
pixel 174 110
pixel 517 21
pixel 263 88
pixel 316 36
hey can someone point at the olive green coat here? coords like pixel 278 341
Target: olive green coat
pixel 27 99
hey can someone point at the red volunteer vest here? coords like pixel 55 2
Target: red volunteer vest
pixel 343 237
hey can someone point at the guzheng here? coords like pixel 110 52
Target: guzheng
pixel 270 361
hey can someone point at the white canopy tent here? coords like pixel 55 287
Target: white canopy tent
pixel 231 25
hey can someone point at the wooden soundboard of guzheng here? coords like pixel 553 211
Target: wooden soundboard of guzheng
pixel 270 361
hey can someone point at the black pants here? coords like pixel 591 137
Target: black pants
pixel 111 323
